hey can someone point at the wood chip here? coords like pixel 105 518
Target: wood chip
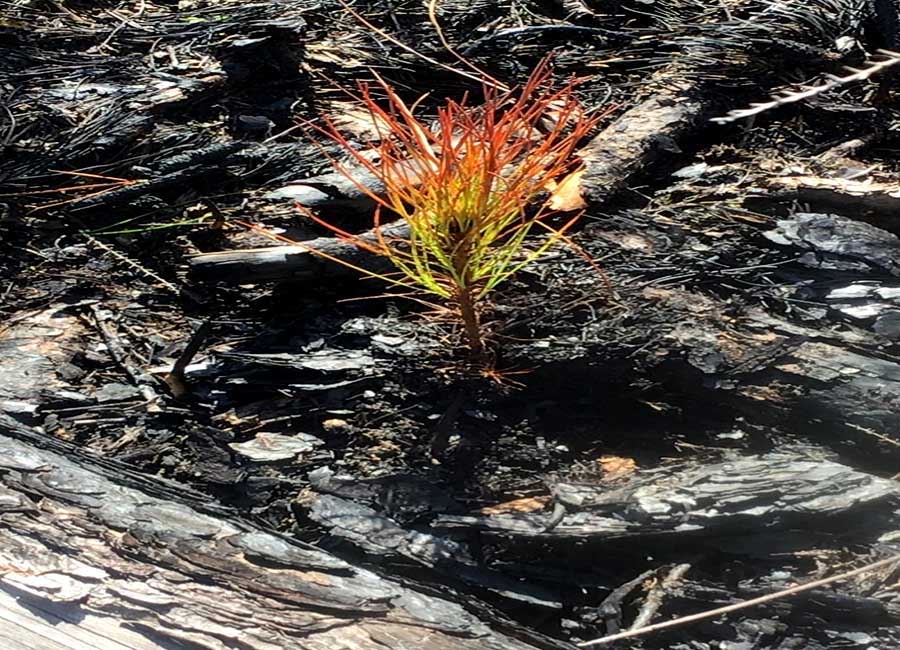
pixel 616 466
pixel 274 447
pixel 525 504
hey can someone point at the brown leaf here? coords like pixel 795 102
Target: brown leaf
pixel 566 195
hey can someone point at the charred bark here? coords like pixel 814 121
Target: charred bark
pixel 101 539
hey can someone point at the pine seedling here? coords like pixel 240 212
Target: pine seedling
pixel 465 188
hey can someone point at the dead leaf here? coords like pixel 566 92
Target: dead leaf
pixel 525 504
pixel 566 195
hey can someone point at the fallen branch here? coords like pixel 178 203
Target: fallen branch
pixel 875 199
pixel 181 569
pixel 139 378
pixel 277 263
pixel 655 598
pixel 789 97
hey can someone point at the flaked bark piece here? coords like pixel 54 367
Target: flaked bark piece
pixel 32 349
pixel 618 153
pixel 741 494
pixel 75 534
pixel 875 200
pixel 834 242
pixel 278 263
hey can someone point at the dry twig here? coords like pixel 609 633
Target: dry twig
pixel 789 97
pixel 719 611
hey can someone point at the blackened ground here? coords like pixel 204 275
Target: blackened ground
pixel 713 338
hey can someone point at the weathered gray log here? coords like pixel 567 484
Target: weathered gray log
pixel 334 190
pixel 741 495
pixel 636 139
pixel 291 262
pixel 75 538
pixel 338 190
pixel 620 151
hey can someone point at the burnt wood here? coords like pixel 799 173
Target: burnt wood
pixel 741 495
pixel 104 540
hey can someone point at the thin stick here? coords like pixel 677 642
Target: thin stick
pixel 175 379
pixel 432 17
pixel 411 50
pixel 139 378
pixel 712 613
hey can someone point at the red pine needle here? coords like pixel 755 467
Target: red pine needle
pixel 463 187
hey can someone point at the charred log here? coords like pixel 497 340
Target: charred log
pixel 169 568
